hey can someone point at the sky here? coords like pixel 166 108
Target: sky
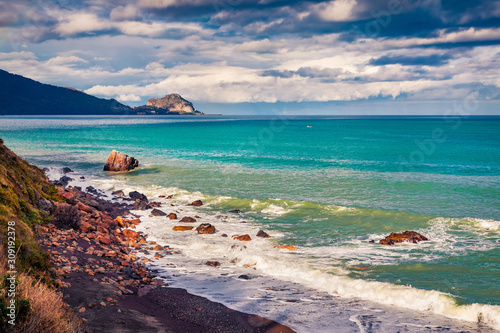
pixel 266 56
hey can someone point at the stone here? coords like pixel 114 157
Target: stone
pixel 407 236
pixel 182 228
pixel 118 161
pixel 187 219
pixel 205 228
pixel 63 181
pixel 141 205
pixel 157 255
pixel 172 216
pixel 213 263
pixel 118 193
pixel 66 170
pixel 130 233
pixel 158 248
pixel 197 203
pixel 83 207
pixel 157 212
pixel 244 238
pixel 235 211
pixel 263 234
pixel 136 195
pixel 82 309
pixel 285 247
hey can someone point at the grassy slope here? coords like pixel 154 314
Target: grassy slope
pixel 24 193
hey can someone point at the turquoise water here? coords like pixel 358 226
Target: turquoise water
pixel 327 185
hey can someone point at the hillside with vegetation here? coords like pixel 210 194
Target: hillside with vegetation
pixel 27 200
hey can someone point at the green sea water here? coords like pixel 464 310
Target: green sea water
pixel 327 185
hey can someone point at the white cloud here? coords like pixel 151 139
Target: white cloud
pixel 337 10
pixel 81 22
pixel 128 12
pixel 128 98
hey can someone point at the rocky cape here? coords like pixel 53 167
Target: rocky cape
pixel 22 96
pixel 172 104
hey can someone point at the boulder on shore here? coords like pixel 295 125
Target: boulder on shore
pixel 118 161
pixel 407 236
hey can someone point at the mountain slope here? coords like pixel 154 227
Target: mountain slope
pixel 23 96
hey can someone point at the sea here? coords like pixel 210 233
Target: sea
pixel 331 187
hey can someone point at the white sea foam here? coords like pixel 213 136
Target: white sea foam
pixel 292 266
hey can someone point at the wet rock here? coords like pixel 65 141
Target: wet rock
pixel 246 277
pixel 157 212
pixel 140 205
pixel 170 196
pixel 82 177
pixel 197 203
pixel 285 247
pixel 182 228
pixel 66 170
pixel 118 161
pixel 130 233
pixel 155 204
pixel 407 236
pixel 235 211
pixel 263 234
pixel 172 216
pixel 205 228
pixel 118 193
pixel 187 219
pixel 213 263
pixel 63 181
pixel 224 235
pixel 136 195
pixel 244 238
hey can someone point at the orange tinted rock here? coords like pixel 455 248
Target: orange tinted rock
pixel 182 228
pixel 119 219
pixel 244 238
pixel 130 233
pixel 263 234
pixel 213 263
pixel 84 227
pixel 286 247
pixel 172 216
pixel 157 255
pixel 104 240
pixel 158 248
pixel 118 161
pixel 187 219
pixel 197 203
pixel 407 236
pixel 83 207
pixel 205 228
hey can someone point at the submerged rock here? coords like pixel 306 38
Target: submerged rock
pixel 407 236
pixel 197 203
pixel 118 161
pixel 66 170
pixel 188 219
pixel 213 263
pixel 235 211
pixel 172 216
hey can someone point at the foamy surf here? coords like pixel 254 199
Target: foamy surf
pixel 299 266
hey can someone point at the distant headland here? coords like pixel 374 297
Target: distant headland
pixel 22 96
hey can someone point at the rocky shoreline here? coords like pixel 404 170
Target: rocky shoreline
pixel 91 243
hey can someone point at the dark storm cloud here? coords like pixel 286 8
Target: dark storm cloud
pixel 432 60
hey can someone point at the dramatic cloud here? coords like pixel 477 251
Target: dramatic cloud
pixel 240 51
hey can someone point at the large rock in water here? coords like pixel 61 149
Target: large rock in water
pixel 118 161
pixel 407 236
pixel 172 103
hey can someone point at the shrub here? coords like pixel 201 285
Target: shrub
pixel 66 216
